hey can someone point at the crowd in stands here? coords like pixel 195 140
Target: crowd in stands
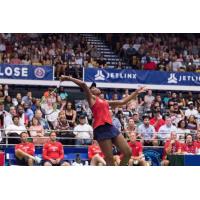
pixel 164 52
pixel 68 53
pixel 152 118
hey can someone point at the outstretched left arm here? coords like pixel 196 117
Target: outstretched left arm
pixel 132 96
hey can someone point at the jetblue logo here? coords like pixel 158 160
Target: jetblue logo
pixel 113 75
pixel 99 76
pixel 172 78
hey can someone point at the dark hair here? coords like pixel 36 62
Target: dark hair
pixel 190 135
pixel 15 117
pixel 23 133
pixel 179 123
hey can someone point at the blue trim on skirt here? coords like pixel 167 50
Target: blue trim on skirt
pixel 106 131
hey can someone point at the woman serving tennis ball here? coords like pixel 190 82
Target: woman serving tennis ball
pixel 104 132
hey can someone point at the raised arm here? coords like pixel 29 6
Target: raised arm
pixel 132 96
pixel 82 85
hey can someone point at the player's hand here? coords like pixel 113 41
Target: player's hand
pixel 141 89
pixel 65 78
pixel 58 160
pixel 53 161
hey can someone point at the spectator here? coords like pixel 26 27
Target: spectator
pixel 137 157
pixel 64 130
pixel 8 103
pixel 136 119
pixel 43 122
pixel 53 152
pixel 182 130
pixel 15 129
pixel 70 114
pixel 116 121
pixel 28 112
pixel 150 65
pixel 83 132
pixel 191 110
pixel 148 99
pixel 9 117
pixel 190 146
pixel 28 99
pixel 95 155
pixel 24 152
pixel 147 132
pixel 131 127
pixel 15 60
pixel 157 121
pixel 37 132
pixel 172 146
pixel 18 99
pixel 24 119
pixel 192 123
pixel 165 130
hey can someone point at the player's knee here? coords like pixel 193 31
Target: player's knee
pixel 47 164
pixel 65 164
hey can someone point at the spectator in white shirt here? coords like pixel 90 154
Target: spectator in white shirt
pixel 165 130
pixel 191 110
pixel 147 132
pixel 9 117
pixel 14 130
pixel 83 132
pixel 148 99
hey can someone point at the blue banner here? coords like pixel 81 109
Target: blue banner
pixel 129 76
pixel 26 72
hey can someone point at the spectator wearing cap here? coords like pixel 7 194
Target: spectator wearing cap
pixel 191 110
pixel 147 132
pixel 165 130
pixel 157 120
pixel 136 119
pixel 83 132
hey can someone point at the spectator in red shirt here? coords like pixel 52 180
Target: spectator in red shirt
pixel 24 152
pixel 149 65
pixel 157 120
pixel 137 157
pixel 95 155
pixel 189 147
pixel 172 146
pixel 53 152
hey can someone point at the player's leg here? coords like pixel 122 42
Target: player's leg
pixel 123 147
pixel 21 154
pixel 106 148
